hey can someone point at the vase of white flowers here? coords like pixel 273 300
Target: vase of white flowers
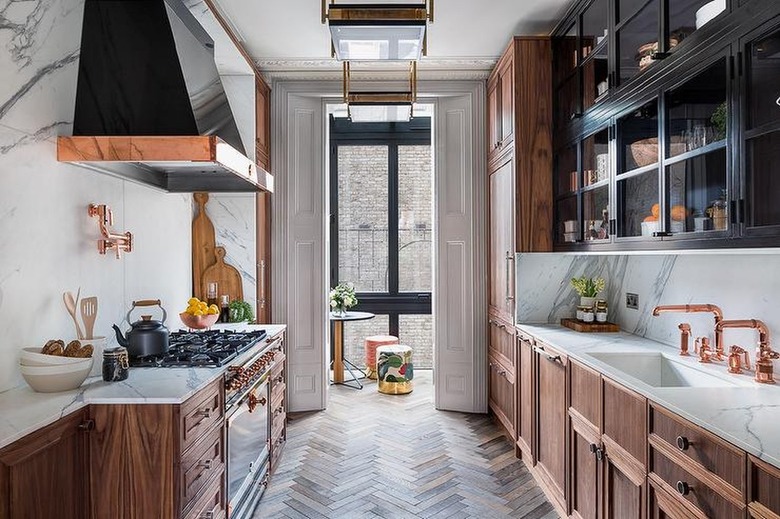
pixel 588 289
pixel 342 298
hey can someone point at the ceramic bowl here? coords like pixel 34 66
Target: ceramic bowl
pixel 53 379
pixel 198 322
pixel 33 357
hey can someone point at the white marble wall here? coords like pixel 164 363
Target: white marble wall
pixel 744 285
pixel 47 241
pixel 233 216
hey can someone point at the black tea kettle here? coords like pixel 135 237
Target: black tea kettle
pixel 145 337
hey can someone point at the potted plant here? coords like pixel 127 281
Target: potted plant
pixel 588 289
pixel 342 298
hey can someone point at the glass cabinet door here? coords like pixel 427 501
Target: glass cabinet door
pixel 565 61
pixel 594 50
pixel 595 186
pixel 762 131
pixel 696 163
pixel 687 16
pixel 638 207
pixel 637 33
pixel 567 229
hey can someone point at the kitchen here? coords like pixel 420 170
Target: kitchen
pixel 44 201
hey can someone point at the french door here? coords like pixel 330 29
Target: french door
pixel 381 224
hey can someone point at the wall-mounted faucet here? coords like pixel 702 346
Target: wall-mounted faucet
pixel 110 240
pixel 718 353
pixel 764 353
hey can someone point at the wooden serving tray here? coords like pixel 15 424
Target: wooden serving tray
pixel 579 326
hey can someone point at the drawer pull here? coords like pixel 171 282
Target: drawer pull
pixel 593 448
pixel 207 515
pixel 205 413
pixel 683 488
pixel 502 372
pixel 683 443
pixel 206 464
pixel 87 425
pixel 555 358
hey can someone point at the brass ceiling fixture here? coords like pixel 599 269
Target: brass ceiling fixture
pixel 380 106
pixel 378 32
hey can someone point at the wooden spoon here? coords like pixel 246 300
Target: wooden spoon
pixel 70 306
pixel 89 306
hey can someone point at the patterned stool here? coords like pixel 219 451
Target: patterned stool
pixel 371 344
pixel 395 370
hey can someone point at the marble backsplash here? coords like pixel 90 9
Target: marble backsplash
pixel 48 242
pixel 744 285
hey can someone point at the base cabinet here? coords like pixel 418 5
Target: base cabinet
pixel 525 383
pixel 45 474
pixel 763 490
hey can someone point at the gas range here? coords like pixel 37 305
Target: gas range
pixel 205 349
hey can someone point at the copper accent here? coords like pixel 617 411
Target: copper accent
pixel 685 332
pixel 714 309
pixel 702 348
pixel 110 240
pixel 764 353
pixel 253 401
pixel 735 359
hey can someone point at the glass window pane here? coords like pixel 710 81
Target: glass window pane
pixel 763 180
pixel 638 207
pixel 595 213
pixel 595 21
pixel 416 331
pixel 637 41
pixel 638 134
pixel 685 16
pixel 764 87
pixel 362 217
pixel 697 193
pixel 567 101
pixel 698 110
pixel 415 219
pixel 568 230
pixel 627 8
pixel 566 169
pixel 355 333
pixel 595 158
pixel 595 80
pixel 565 51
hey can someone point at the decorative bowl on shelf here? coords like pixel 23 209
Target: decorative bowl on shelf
pixel 198 322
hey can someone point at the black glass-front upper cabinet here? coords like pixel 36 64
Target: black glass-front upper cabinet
pixel 761 131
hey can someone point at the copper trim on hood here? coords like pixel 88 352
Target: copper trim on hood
pixel 173 163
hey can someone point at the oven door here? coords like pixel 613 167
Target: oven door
pixel 248 442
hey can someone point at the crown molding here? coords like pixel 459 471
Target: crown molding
pixel 329 69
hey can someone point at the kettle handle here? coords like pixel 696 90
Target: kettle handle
pixel 148 302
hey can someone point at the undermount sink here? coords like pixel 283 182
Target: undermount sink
pixel 659 370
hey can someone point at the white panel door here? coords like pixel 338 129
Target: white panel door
pixel 460 377
pixel 304 186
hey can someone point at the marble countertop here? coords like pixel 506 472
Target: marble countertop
pixel 740 411
pixel 23 411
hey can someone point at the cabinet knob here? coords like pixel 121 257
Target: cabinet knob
pixel 206 515
pixel 87 425
pixel 599 454
pixel 683 443
pixel 683 488
pixel 593 448
pixel 502 372
pixel 206 464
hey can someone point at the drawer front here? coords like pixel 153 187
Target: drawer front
pixel 625 419
pixel 708 500
pixel 200 413
pixel 276 451
pixel 206 459
pixel 763 489
pixel 212 504
pixel 712 453
pixel 502 394
pixel 585 393
pixel 277 394
pixel 278 367
pixel 502 341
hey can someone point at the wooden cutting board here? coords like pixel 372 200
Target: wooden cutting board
pixel 580 326
pixel 227 277
pixel 203 244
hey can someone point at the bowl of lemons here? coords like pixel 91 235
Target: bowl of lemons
pixel 199 314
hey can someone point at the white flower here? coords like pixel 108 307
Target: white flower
pixel 333 304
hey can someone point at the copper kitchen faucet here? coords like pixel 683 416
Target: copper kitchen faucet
pixel 719 353
pixel 764 353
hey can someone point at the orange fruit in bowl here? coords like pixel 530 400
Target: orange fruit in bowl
pixel 679 212
pixel 651 218
pixel 655 211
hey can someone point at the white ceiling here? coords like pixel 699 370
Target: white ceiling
pixel 288 33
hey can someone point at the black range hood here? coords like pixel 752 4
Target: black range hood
pixel 150 104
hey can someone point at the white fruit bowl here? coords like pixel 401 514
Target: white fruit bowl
pixel 52 379
pixel 34 357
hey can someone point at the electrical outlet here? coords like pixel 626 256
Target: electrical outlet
pixel 632 300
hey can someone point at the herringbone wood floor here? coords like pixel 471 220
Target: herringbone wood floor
pixel 372 455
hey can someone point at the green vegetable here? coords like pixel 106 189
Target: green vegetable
pixel 240 311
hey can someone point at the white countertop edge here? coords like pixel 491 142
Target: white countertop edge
pixel 67 402
pixel 547 333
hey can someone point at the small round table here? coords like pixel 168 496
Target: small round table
pixel 339 361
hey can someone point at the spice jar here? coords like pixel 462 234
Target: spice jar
pixel 601 311
pixel 587 315
pixel 116 364
pixel 580 312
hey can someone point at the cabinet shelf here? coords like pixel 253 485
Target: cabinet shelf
pixel 638 171
pixel 703 150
